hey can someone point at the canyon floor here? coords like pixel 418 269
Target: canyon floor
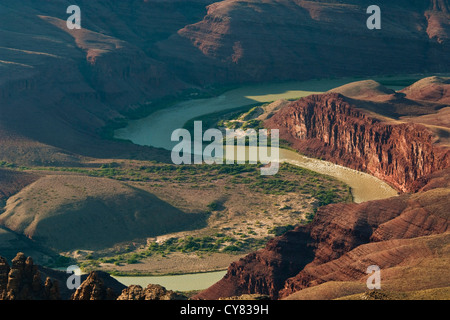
pixel 131 194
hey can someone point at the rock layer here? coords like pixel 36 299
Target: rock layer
pixel 60 87
pixel 330 126
pixel 339 245
pixel 248 41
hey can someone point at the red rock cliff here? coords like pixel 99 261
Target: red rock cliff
pixel 331 127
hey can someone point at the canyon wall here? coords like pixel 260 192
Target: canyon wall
pixel 342 241
pixel 331 127
pixel 254 41
pixel 60 87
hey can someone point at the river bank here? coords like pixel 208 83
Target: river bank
pixel 156 129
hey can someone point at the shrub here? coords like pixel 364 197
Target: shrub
pixel 279 230
pixel 214 206
pixel 231 248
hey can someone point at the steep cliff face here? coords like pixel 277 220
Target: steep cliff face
pixel 264 271
pixel 60 86
pixel 331 127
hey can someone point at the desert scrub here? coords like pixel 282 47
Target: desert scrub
pixel 253 124
pixel 220 119
pixel 215 206
pixel 208 244
pixel 289 179
pixel 12 166
pixel 279 230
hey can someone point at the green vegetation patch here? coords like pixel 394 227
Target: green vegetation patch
pixel 217 243
pixel 279 230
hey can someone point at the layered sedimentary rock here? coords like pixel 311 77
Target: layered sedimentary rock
pixel 341 242
pixel 330 126
pixel 246 41
pixel 60 87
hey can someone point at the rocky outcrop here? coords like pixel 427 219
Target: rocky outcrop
pixel 264 271
pixel 331 127
pixel 152 292
pixel 95 288
pixel 22 281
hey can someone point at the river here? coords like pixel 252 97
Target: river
pixel 156 130
pixel 183 282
